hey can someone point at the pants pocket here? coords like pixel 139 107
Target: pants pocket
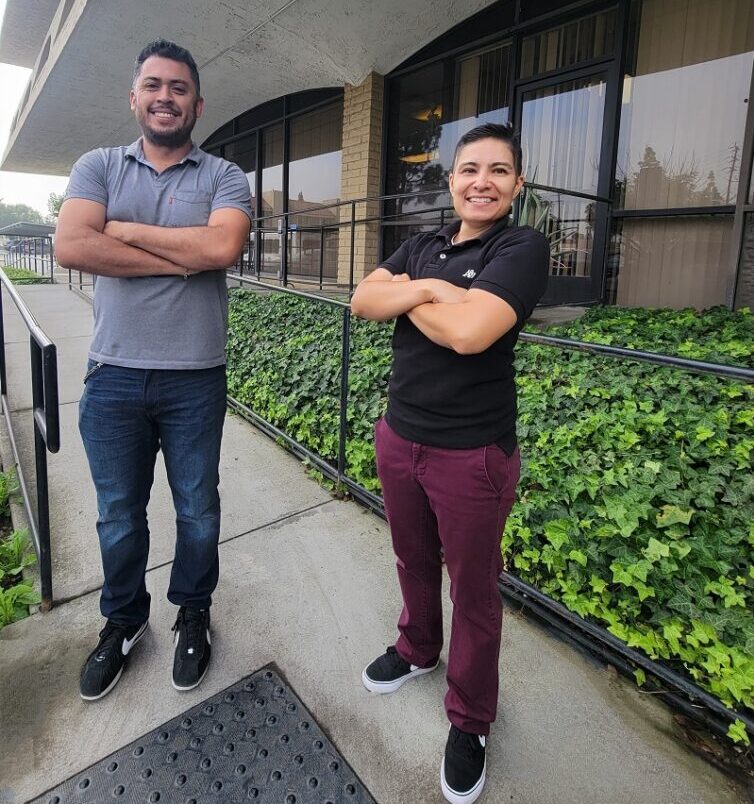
pixel 91 370
pixel 496 468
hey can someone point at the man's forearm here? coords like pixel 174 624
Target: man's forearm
pixel 198 248
pixel 81 248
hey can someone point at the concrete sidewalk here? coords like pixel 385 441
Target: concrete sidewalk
pixel 306 582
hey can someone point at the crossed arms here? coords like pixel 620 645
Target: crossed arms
pixel 466 321
pixel 87 242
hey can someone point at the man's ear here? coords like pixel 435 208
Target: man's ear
pixel 199 107
pixel 132 100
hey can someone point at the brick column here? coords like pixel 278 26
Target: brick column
pixel 361 173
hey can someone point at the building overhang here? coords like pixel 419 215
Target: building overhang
pixel 24 28
pixel 248 52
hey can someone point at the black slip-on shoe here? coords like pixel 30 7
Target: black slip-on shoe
pixel 193 648
pixel 104 665
pixel 464 766
pixel 387 672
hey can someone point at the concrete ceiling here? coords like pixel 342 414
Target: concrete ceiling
pixel 248 52
pixel 23 30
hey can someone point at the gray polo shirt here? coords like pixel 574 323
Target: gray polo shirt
pixel 160 322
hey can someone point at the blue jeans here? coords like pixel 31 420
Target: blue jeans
pixel 125 416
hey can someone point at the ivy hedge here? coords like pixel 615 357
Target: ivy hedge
pixel 636 502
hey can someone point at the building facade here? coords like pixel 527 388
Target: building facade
pixel 637 133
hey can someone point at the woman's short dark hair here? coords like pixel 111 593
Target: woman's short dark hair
pixel 168 50
pixel 496 131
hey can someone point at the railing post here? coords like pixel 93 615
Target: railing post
pixel 284 247
pixel 3 378
pixel 321 255
pixel 38 371
pixel 345 359
pixel 352 262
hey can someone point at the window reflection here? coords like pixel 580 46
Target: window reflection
pixel 272 196
pixel 671 262
pixel 431 109
pixel 684 110
pixel 568 224
pixel 244 153
pixel 314 175
pixel 569 44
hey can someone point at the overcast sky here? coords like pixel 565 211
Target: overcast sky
pixel 20 188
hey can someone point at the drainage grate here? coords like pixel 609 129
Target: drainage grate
pixel 255 741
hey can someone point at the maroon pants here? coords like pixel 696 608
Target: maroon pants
pixel 457 500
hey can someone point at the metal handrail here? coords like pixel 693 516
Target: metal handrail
pixel 283 224
pixel 46 418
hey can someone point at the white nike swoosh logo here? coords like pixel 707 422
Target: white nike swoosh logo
pixel 129 643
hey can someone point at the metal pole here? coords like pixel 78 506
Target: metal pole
pixel 353 247
pixel 284 246
pixel 345 356
pixel 40 463
pixel 321 255
pixel 3 379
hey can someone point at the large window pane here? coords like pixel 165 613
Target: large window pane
pixel 568 224
pixel 272 196
pixel 684 108
pixel 315 158
pixel 569 44
pixel 244 153
pixel 272 170
pixel 314 174
pixel 431 108
pixel 561 129
pixel 671 262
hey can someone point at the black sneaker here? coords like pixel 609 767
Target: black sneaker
pixel 105 663
pixel 463 768
pixel 387 672
pixel 192 647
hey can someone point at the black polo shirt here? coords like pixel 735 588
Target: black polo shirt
pixel 436 396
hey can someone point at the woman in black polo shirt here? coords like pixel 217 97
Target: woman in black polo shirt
pixel 446 449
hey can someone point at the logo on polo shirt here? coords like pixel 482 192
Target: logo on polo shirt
pixel 470 274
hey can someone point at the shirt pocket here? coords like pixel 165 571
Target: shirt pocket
pixel 190 208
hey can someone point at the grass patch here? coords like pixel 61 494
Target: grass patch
pixel 20 276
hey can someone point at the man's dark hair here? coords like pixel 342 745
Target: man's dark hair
pixel 496 131
pixel 168 50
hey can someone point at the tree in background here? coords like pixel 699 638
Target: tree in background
pixel 15 213
pixel 53 205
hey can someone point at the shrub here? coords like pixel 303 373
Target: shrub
pixel 636 502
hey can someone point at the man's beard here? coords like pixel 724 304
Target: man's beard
pixel 168 139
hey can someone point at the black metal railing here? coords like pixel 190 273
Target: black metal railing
pixel 327 234
pixel 35 254
pixel 83 287
pixel 45 415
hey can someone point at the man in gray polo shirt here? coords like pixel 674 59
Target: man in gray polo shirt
pixel 157 223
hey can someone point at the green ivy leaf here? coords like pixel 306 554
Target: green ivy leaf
pixel 557 532
pixel 737 732
pixel 673 515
